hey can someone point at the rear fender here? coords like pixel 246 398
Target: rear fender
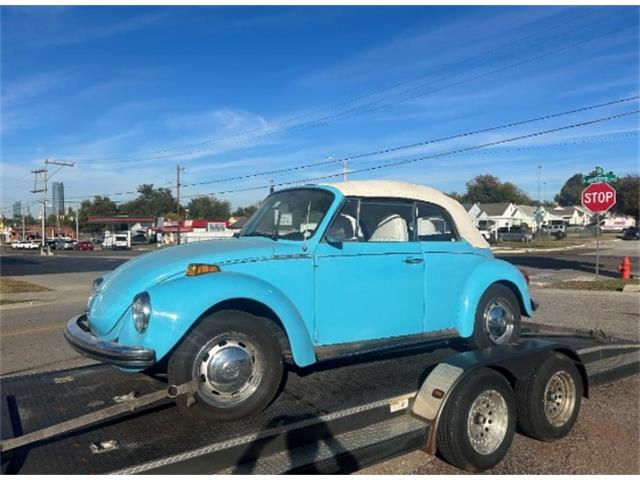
pixel 483 276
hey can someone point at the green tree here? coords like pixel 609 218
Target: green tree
pixel 209 208
pixel 245 211
pixel 457 196
pixel 571 191
pixel 151 202
pixel 489 189
pixel 98 207
pixel 627 195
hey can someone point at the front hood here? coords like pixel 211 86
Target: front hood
pixel 116 293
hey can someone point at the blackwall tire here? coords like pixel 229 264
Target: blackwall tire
pixel 497 319
pixel 549 399
pixel 236 358
pixel 478 422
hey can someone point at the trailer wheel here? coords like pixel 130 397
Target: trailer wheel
pixel 478 421
pixel 549 399
pixel 237 361
pixel 497 320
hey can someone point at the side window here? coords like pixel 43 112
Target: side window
pixel 373 220
pixel 434 224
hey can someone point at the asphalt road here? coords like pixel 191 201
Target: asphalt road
pixel 545 267
pixel 576 262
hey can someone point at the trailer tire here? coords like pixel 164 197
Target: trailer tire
pixel 497 320
pixel 549 399
pixel 236 358
pixel 478 421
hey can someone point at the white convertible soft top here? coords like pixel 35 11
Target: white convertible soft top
pixel 394 189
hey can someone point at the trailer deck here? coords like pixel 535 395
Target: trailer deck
pixel 337 417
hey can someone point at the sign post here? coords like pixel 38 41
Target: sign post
pixel 598 198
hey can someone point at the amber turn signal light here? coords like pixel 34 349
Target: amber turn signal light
pixel 195 269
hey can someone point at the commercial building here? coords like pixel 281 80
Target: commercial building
pixel 57 201
pixel 17 209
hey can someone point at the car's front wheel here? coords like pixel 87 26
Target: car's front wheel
pixel 497 320
pixel 236 359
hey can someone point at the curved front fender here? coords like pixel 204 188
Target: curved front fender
pixel 178 303
pixel 483 276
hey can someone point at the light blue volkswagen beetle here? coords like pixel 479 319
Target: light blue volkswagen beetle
pixel 318 271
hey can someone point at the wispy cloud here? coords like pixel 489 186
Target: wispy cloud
pixel 55 26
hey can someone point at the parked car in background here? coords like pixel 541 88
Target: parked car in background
pixel 84 245
pixel 631 233
pixel 554 226
pixel 317 272
pixel 514 234
pixel 29 244
pixel 120 242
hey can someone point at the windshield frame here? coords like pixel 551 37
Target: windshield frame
pixel 257 216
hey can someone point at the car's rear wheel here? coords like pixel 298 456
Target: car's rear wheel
pixel 236 359
pixel 497 320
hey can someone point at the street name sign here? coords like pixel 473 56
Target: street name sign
pixel 599 177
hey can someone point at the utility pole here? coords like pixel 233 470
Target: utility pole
pixel 345 169
pixel 178 170
pixel 44 175
pixel 271 187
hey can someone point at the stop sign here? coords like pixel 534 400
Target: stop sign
pixel 598 197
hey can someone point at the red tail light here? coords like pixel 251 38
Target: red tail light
pixel 525 275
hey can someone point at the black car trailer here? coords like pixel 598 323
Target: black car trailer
pixel 339 416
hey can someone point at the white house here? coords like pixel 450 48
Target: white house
pixel 574 215
pixel 525 214
pixel 497 215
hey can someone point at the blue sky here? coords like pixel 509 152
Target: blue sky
pixel 130 92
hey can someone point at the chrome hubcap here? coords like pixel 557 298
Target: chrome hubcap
pixel 228 369
pixel 487 422
pixel 498 322
pixel 559 398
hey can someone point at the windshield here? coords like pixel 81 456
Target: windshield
pixel 290 214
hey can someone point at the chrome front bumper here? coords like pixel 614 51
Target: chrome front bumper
pixel 79 336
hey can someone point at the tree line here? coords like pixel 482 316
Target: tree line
pixel 489 189
pixel 160 202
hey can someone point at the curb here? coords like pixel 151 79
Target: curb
pixel 534 250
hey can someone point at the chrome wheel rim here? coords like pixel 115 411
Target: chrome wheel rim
pixel 559 398
pixel 498 321
pixel 229 369
pixel 487 422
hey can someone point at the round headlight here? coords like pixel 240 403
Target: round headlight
pixel 141 311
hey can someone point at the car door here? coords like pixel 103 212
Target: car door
pixel 369 274
pixel 448 263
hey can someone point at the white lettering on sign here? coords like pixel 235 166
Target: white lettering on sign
pixel 598 197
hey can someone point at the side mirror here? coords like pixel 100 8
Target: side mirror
pixel 335 236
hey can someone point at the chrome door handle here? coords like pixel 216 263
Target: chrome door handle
pixel 412 260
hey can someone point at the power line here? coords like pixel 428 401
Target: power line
pixel 428 157
pixel 372 106
pixel 390 149
pixel 485 151
pixel 412 145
